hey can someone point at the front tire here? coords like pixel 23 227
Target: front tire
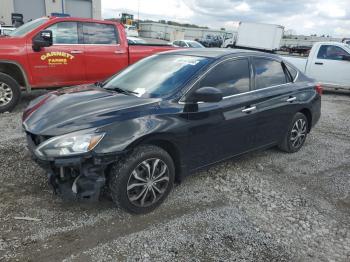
pixel 10 93
pixel 295 137
pixel 140 182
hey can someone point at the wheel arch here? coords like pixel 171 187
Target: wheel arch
pixel 308 115
pixel 166 144
pixel 16 71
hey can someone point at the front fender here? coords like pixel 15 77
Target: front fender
pixel 123 136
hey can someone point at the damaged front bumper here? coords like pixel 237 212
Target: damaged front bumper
pixel 75 178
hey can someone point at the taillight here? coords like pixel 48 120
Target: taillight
pixel 319 89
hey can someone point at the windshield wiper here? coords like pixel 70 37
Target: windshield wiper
pixel 121 90
pixel 99 84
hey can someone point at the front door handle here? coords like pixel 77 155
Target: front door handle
pixel 249 109
pixel 76 52
pixel 118 52
pixel 291 99
pixel 318 63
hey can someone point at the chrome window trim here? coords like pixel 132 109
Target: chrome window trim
pixel 253 91
pixel 296 77
pixel 235 95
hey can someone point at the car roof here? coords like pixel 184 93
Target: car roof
pixel 218 53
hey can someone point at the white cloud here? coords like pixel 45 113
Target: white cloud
pixel 243 7
pixel 331 9
pixel 303 16
pixel 151 8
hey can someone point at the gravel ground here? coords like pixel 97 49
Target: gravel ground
pixel 265 206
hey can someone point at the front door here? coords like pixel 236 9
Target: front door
pixel 227 128
pixel 61 64
pixel 103 53
pixel 329 66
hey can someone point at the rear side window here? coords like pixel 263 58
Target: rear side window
pixel 98 34
pixel 268 73
pixel 64 33
pixel 331 52
pixel 231 77
pixel 292 71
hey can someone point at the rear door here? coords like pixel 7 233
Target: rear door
pixel 227 128
pixel 61 64
pixel 329 67
pixel 276 99
pixel 104 56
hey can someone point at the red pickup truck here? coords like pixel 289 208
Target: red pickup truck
pixel 52 52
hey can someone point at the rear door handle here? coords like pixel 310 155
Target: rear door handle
pixel 249 109
pixel 76 52
pixel 318 63
pixel 291 99
pixel 119 52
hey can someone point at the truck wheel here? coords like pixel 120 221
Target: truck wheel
pixel 10 93
pixel 140 182
pixel 295 137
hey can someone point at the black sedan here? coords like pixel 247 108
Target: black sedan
pixel 165 117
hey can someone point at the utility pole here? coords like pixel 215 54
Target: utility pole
pixel 138 14
pixel 62 6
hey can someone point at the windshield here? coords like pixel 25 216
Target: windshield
pixel 195 44
pixel 28 27
pixel 136 41
pixel 158 75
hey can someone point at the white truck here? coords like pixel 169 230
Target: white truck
pixel 266 37
pixel 5 30
pixel 328 63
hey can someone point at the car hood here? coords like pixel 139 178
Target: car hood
pixel 11 46
pixel 78 108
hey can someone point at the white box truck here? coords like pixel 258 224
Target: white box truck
pixel 266 37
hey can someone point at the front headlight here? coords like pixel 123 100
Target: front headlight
pixel 68 145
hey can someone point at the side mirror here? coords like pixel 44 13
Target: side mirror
pixel 205 94
pixel 346 57
pixel 43 39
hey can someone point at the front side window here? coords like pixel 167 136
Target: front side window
pixel 64 33
pixel 158 75
pixel 194 44
pixel 183 44
pixel 268 73
pixel 98 34
pixel 231 77
pixel 331 52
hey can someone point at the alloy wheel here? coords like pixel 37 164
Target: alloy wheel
pixel 298 133
pixel 148 182
pixel 6 94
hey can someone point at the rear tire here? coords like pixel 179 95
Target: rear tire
pixel 140 182
pixel 296 135
pixel 10 93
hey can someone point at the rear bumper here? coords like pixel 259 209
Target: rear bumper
pixel 75 178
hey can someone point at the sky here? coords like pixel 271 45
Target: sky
pixel 302 16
